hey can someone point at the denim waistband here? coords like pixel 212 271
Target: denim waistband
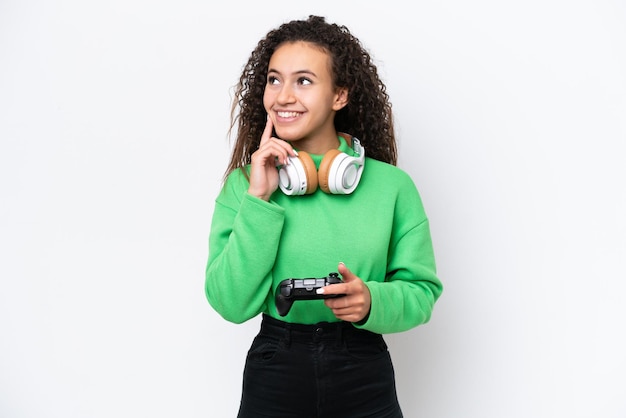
pixel 315 332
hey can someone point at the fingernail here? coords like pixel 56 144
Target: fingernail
pixel 320 291
pixel 295 152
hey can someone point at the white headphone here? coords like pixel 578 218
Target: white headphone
pixel 339 173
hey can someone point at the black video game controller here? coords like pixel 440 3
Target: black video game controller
pixel 290 290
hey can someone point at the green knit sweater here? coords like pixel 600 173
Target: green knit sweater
pixel 380 232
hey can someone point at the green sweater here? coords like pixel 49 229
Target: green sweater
pixel 380 232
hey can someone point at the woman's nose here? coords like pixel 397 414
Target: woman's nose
pixel 286 94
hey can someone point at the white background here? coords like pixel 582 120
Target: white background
pixel 511 118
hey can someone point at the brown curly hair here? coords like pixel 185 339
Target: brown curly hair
pixel 367 115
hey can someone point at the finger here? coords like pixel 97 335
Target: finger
pixel 345 272
pixel 346 309
pixel 340 288
pixel 266 137
pixel 340 304
pixel 267 132
pixel 333 289
pixel 275 150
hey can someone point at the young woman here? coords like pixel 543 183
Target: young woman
pixel 312 188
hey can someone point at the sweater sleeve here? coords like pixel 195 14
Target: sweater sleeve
pixel 406 298
pixel 244 238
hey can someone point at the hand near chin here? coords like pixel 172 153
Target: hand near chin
pixel 272 153
pixel 355 305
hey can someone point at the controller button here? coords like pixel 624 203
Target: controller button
pixel 285 290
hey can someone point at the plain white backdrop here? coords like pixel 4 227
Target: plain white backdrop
pixel 511 118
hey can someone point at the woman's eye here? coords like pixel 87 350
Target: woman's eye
pixel 272 80
pixel 305 81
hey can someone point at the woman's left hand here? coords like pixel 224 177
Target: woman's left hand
pixel 355 305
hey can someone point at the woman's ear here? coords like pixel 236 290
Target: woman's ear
pixel 341 98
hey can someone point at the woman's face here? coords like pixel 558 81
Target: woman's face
pixel 300 97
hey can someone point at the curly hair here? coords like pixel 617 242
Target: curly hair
pixel 367 116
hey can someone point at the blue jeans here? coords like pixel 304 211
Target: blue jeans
pixel 325 370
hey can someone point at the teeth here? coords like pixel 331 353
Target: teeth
pixel 287 114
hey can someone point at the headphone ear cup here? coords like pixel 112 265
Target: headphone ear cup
pixel 299 177
pixel 310 171
pixel 325 169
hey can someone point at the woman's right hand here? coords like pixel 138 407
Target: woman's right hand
pixel 272 153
